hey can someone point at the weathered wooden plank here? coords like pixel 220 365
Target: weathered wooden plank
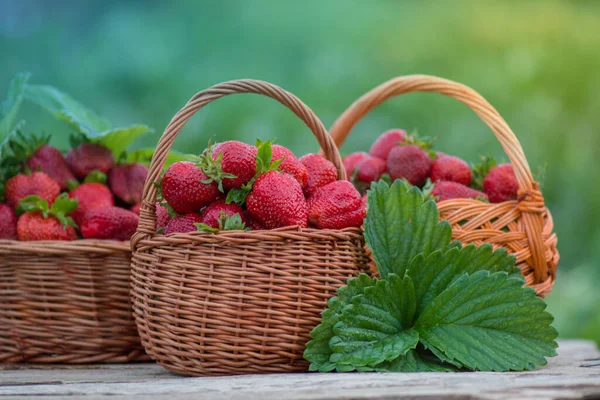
pixel 575 373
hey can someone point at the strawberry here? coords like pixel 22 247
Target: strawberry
pixel 50 160
pixel 446 190
pixel 127 181
pixel 364 167
pixel 501 184
pixel 187 189
pixel 410 162
pixel 236 159
pixel 136 208
pixel 162 216
pixel 386 142
pixel 88 157
pixel 320 171
pixel 90 196
pixel 8 222
pixel 42 222
pixel 290 164
pixel 252 223
pixel 450 168
pixel 337 205
pixel 112 223
pixel 276 200
pixel 183 224
pixel 212 213
pixel 37 184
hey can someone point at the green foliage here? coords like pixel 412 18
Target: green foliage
pixel 9 108
pixel 466 306
pixel 144 156
pixel 226 223
pixel 60 209
pixel 480 170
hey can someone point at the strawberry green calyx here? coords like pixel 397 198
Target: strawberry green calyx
pixel 161 200
pixel 60 209
pixel 226 223
pixel 212 167
pixel 480 171
pixel 424 142
pixel 95 177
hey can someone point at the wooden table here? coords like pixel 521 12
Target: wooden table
pixel 575 373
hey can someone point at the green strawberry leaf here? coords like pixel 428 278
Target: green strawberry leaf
pixel 144 156
pixel 119 139
pixel 264 156
pixel 375 326
pixel 95 177
pixel 231 222
pixel 317 350
pixel 433 274
pixel 400 225
pixel 63 205
pixel 479 171
pixel 413 361
pixel 33 204
pixel 9 109
pixel 489 322
pixel 205 228
pixel 237 195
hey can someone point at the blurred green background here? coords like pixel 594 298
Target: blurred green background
pixel 537 62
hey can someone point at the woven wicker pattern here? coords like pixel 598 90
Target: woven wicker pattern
pixel 66 302
pixel 524 227
pixel 236 302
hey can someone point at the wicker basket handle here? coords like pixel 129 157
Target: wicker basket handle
pixel 147 225
pixel 531 202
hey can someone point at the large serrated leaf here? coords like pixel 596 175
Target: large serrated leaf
pixel 414 362
pixel 119 139
pixel 400 225
pixel 144 156
pixel 9 108
pixel 375 326
pixel 317 350
pixel 433 274
pixel 489 322
pixel 66 108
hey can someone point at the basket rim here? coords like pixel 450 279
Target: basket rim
pixel 57 247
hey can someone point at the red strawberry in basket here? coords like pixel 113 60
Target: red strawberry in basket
pixel 50 160
pixel 320 170
pixel 450 168
pixel 213 212
pixel 42 222
pixel 112 223
pixel 236 159
pixel 88 157
pixel 187 189
pixel 501 184
pixel 276 200
pixel 337 205
pixel 410 162
pixel 90 196
pixel 136 209
pixel 8 222
pixel 126 181
pixel 364 167
pixel 386 142
pixel 183 224
pixel 290 164
pixel 162 216
pixel 252 223
pixel 37 184
pixel 446 190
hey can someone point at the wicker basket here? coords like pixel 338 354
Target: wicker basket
pixel 236 302
pixel 524 227
pixel 66 302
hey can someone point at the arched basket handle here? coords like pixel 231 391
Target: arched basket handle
pixel 147 224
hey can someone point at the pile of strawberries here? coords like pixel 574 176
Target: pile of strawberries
pixel 85 194
pixel 396 155
pixel 234 185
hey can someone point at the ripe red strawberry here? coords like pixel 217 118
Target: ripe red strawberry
pixel 8 222
pixel 162 216
pixel 364 167
pixel 88 157
pixel 409 162
pixel 446 190
pixel 337 205
pixel 276 200
pixel 50 160
pixel 235 158
pixel 90 196
pixel 42 222
pixel 37 184
pixel 353 160
pixel 386 142
pixel 212 213
pixel 450 168
pixel 127 181
pixel 290 164
pixel 501 184
pixel 112 223
pixel 183 224
pixel 136 209
pixel 183 187
pixel 320 171
pixel 252 223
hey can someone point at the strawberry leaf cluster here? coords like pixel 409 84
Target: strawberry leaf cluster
pixel 438 306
